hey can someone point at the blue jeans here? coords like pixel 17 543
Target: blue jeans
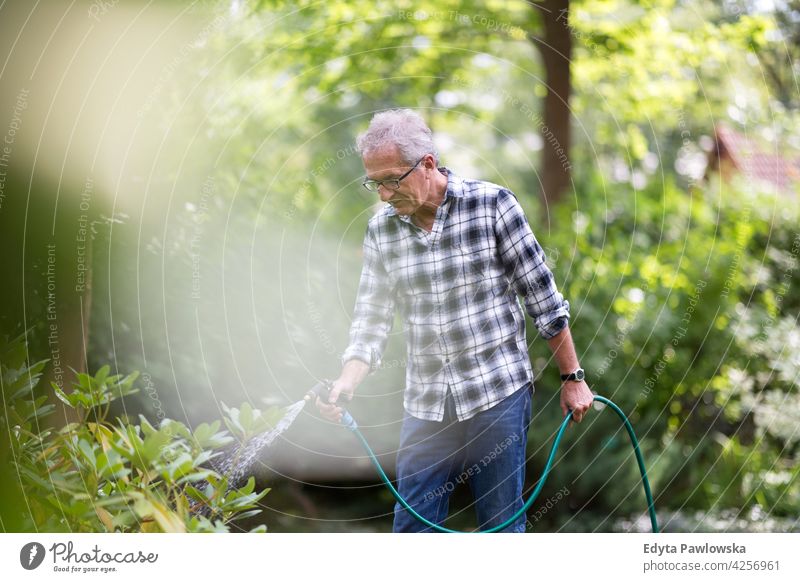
pixel 486 451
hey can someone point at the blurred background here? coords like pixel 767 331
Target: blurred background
pixel 180 197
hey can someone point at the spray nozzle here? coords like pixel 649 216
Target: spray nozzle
pixel 321 389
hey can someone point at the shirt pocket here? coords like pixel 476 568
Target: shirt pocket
pixel 471 268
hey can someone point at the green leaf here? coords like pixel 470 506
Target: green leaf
pixel 102 374
pixel 195 476
pixel 196 494
pixel 61 396
pixel 246 416
pixel 88 452
pixel 153 445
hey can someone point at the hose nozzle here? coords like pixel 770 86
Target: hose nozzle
pixel 321 389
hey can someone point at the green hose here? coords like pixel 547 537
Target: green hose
pixel 349 423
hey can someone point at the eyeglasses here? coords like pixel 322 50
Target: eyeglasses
pixel 391 184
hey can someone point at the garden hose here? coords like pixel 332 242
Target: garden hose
pixel 348 421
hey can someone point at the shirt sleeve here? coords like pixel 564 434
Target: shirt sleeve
pixel 525 265
pixel 373 316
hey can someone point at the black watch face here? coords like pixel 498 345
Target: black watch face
pixel 579 375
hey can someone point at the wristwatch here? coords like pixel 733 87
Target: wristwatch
pixel 575 376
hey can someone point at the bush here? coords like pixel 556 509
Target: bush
pixel 102 475
pixel 682 316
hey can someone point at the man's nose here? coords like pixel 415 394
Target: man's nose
pixel 385 193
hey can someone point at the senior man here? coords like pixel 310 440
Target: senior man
pixel 452 254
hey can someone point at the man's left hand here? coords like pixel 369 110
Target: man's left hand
pixel 577 397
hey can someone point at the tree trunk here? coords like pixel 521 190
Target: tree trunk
pixel 556 50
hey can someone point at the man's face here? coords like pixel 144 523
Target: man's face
pixel 387 163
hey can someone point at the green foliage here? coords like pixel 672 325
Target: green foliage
pixel 95 475
pixel 682 304
pixel 246 422
pixel 96 391
pixel 639 68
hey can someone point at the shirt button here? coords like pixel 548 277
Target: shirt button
pixel 447 360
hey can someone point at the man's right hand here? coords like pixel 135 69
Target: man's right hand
pixel 353 373
pixel 342 390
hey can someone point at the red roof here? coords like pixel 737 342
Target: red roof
pixel 756 162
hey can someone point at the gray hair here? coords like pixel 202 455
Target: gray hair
pixel 405 129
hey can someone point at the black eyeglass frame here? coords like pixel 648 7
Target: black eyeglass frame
pixel 374 185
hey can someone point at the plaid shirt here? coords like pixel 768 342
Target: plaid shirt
pixel 456 289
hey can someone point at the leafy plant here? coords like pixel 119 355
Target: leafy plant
pixel 102 475
pixel 95 393
pixel 682 304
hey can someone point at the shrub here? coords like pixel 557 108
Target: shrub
pixel 682 315
pixel 100 474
